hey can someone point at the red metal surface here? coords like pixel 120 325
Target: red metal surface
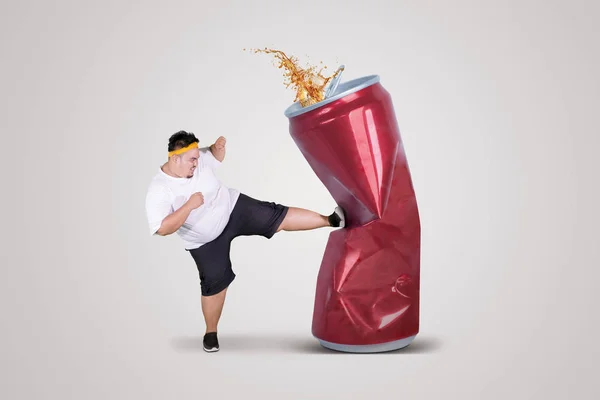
pixel 367 289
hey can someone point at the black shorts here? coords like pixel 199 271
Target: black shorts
pixel 249 217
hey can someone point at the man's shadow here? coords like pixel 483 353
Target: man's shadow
pixel 238 343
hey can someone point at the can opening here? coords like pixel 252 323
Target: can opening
pixel 342 89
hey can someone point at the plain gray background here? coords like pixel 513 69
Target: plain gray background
pixel 497 103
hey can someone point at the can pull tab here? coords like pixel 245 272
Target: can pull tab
pixel 335 81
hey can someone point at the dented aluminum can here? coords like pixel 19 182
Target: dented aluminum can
pixel 367 290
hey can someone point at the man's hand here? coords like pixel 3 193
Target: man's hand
pixel 220 143
pixel 195 200
pixel 218 148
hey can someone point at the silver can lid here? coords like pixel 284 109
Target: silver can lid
pixel 340 90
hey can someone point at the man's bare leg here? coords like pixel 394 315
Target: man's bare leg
pixel 300 219
pixel 212 307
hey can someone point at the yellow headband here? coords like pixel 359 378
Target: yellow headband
pixel 184 149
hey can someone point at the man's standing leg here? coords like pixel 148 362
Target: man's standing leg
pixel 212 307
pixel 215 272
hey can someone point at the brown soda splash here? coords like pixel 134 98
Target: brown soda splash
pixel 308 83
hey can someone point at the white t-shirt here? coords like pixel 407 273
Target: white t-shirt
pixel 166 194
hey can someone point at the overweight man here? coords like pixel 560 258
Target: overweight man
pixel 186 197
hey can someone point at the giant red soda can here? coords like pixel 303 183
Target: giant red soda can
pixel 367 291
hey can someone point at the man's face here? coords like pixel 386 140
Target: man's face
pixel 187 163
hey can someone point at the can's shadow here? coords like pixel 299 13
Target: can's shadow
pixel 252 343
pixel 422 345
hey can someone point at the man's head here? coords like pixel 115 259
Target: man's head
pixel 183 154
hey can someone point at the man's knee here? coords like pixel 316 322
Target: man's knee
pixel 214 295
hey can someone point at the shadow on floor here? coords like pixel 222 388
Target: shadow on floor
pixel 253 343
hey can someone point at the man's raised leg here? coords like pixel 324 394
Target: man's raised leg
pixel 300 219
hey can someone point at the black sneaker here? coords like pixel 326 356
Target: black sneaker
pixel 210 342
pixel 337 219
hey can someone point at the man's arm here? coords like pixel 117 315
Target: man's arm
pixel 176 219
pixel 218 149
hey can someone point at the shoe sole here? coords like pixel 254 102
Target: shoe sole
pixel 340 212
pixel 214 349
